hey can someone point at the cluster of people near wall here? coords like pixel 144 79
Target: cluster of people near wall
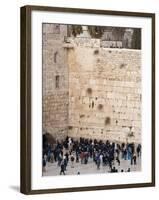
pixel 80 151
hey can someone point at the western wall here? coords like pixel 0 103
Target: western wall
pixel 98 90
pixel 104 91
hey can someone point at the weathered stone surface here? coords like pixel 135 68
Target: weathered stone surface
pixel 114 76
pixel 55 81
pixel 97 93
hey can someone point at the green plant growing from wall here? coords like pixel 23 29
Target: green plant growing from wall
pixel 76 30
pixel 96 31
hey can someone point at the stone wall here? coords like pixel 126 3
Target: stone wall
pixel 104 91
pixel 89 90
pixel 55 81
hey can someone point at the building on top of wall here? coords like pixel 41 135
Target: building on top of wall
pixel 110 37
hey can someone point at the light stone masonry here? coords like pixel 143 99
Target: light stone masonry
pixel 104 92
pixel 89 90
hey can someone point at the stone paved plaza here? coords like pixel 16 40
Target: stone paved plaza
pixel 52 169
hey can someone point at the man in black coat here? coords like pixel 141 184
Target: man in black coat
pixel 62 168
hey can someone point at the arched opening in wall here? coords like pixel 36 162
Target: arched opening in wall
pixel 55 57
pixel 57 81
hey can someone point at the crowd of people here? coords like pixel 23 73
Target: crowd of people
pixel 82 150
